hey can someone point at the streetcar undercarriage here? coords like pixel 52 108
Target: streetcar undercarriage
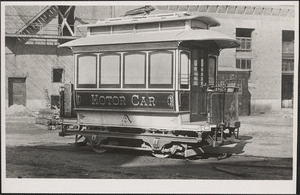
pixel 161 142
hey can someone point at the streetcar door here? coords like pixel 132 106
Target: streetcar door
pixel 198 86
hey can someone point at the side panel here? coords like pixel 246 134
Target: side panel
pixel 125 100
pixel 127 119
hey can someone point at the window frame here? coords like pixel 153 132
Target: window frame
pixel 189 69
pixel 244 40
pixel 77 71
pixel 246 63
pixel 62 75
pixel 215 69
pixel 120 72
pixel 161 86
pixel 52 97
pixel 145 70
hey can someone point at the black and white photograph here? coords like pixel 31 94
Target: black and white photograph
pixel 149 97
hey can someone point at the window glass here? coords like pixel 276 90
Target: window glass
pixel 147 27
pixel 211 70
pixel 184 70
pixel 57 75
pixel 243 63
pixel 122 29
pixel 196 24
pixel 87 66
pixel 248 64
pixel 110 70
pixel 287 65
pixel 172 25
pixel 100 30
pixel 135 70
pixel 238 65
pixel 160 69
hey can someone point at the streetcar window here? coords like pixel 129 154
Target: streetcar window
pixel 122 29
pixel 184 70
pixel 100 30
pixel 144 27
pixel 110 70
pixel 171 25
pixel 135 70
pixel 161 70
pixel 212 62
pixel 86 71
pixel 196 24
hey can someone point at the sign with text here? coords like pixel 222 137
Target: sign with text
pixel 121 100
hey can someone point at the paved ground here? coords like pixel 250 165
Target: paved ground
pixel 269 135
pixel 264 152
pixel 266 135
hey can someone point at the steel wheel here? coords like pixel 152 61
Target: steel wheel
pixel 98 147
pixel 161 155
pixel 165 152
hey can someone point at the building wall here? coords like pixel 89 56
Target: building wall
pixel 268 22
pixel 35 62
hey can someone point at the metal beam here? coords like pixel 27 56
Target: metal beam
pixel 41 36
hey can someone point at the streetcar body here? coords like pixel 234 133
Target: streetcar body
pixel 150 83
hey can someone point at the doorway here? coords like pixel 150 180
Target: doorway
pixel 16 91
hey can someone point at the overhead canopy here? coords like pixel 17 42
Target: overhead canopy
pixel 221 40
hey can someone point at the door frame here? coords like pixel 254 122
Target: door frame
pixel 10 89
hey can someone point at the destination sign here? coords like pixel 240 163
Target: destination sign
pixel 132 100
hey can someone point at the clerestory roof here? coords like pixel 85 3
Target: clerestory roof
pixel 222 40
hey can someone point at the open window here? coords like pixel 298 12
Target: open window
pixel 110 71
pixel 161 69
pixel 87 71
pixel 135 70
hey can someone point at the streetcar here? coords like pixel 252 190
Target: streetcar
pixel 149 82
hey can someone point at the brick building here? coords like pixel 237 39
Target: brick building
pixel 35 68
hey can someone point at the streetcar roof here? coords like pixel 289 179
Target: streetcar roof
pixel 154 18
pixel 223 41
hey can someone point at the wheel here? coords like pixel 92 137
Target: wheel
pixel 165 152
pixel 161 155
pixel 98 147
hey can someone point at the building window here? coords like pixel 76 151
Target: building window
pixel 54 102
pixel 244 36
pixel 212 70
pixel 243 63
pixel 288 40
pixel 161 69
pixel 287 65
pixel 57 75
pixel 87 71
pixel 110 70
pixel 135 70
